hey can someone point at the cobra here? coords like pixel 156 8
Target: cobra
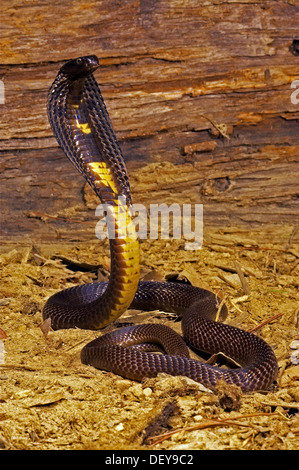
pixel 82 127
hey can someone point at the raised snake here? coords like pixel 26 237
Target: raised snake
pixel 82 127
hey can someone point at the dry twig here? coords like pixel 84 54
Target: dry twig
pixel 265 322
pixel 242 278
pixel 234 421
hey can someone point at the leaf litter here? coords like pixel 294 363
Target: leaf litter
pixel 49 400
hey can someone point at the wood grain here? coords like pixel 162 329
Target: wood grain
pixel 199 95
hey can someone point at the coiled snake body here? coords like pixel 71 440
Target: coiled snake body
pixel 81 124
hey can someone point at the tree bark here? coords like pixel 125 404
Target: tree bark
pixel 200 98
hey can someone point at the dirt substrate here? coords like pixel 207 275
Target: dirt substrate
pixel 49 400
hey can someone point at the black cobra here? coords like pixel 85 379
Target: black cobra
pixel 83 129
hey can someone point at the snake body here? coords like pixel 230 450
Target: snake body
pixel 81 124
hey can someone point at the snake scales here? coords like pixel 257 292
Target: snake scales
pixel 82 127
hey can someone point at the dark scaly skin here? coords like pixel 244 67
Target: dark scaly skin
pixel 82 126
pixel 93 149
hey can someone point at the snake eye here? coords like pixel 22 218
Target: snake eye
pixel 79 60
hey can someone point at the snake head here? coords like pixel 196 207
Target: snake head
pixel 80 67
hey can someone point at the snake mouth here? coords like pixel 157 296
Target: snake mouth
pixel 80 67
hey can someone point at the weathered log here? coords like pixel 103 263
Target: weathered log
pixel 199 95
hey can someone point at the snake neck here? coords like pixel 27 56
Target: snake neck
pixel 82 127
pixel 81 124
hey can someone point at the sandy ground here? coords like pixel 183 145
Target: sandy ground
pixel 49 400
